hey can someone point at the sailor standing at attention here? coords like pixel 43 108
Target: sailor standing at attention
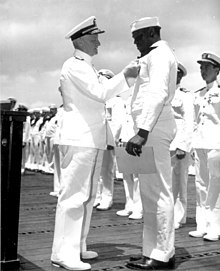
pixel 206 143
pixel 180 147
pixel 155 126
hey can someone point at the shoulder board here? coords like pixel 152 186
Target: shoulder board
pixel 78 58
pixel 184 90
pixel 199 90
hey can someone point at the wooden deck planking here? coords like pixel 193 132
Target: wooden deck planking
pixel 114 238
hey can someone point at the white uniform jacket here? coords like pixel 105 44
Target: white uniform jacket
pixel 154 89
pixel 182 105
pixel 207 117
pixel 84 122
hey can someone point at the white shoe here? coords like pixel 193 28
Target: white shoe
pixel 54 194
pixel 211 237
pixel 123 213
pixel 196 234
pixel 136 216
pixel 89 255
pixel 72 266
pixel 104 206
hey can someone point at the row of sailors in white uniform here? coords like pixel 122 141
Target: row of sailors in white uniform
pixel 38 139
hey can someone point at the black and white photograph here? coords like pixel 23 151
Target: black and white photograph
pixel 110 135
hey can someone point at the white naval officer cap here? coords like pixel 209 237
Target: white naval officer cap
pixel 87 27
pixel 211 58
pixel 182 68
pixel 144 23
pixel 107 73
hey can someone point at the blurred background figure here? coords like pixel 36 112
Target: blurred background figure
pixel 180 148
pixel 29 120
pixel 50 130
pixel 26 129
pixel 55 130
pixel 133 205
pixel 13 102
pixel 45 115
pixel 114 113
pixel 36 140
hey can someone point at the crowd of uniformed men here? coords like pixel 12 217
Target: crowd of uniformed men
pixel 197 140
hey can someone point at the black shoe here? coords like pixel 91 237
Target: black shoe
pixel 135 258
pixel 150 264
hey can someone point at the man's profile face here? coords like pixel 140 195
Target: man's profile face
pixel 90 44
pixel 142 40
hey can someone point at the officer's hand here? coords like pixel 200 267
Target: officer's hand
pixel 131 70
pixel 134 145
pixel 180 154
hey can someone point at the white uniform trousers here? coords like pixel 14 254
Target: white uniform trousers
pixel 28 154
pixel 107 176
pixel 157 196
pixel 56 175
pixel 49 155
pixel 24 158
pixel 180 181
pixel 80 170
pixel 36 151
pixel 207 167
pixel 32 159
pixel 132 193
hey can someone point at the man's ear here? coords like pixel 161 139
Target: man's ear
pixel 152 32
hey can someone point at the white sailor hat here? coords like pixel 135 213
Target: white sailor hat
pixel 182 68
pixel 211 58
pixel 31 111
pixel 52 106
pixel 87 27
pixel 144 23
pixel 37 110
pixel 45 109
pixel 107 73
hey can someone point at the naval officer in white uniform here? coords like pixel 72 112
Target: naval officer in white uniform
pixel 82 141
pixel 155 126
pixel 206 142
pixel 180 148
